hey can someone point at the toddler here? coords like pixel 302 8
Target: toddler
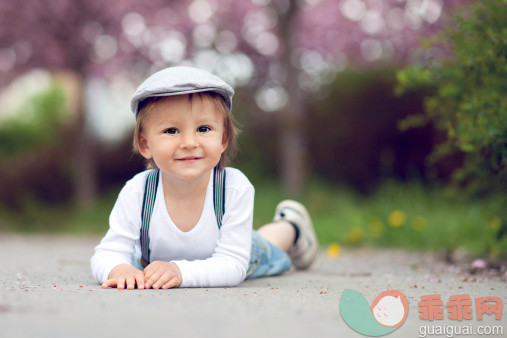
pixel 187 221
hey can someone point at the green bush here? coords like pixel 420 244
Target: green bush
pixel 34 125
pixel 468 97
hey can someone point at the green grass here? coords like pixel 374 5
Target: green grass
pixel 68 218
pixel 434 218
pixel 428 218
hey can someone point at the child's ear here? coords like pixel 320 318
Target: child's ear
pixel 144 149
pixel 225 142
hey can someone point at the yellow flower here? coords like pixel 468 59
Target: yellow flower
pixel 419 223
pixel 333 251
pixel 396 218
pixel 355 234
pixel 495 223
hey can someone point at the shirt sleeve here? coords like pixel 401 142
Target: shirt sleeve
pixel 229 263
pixel 118 244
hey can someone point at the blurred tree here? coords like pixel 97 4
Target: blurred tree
pixel 469 94
pixel 60 34
pixel 284 52
pixel 293 146
pixel 320 38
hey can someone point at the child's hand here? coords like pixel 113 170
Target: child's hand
pixel 125 274
pixel 163 275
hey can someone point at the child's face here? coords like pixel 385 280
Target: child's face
pixel 185 138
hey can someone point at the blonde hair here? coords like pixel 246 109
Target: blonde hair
pixel 231 131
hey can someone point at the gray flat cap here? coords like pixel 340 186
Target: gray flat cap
pixel 179 81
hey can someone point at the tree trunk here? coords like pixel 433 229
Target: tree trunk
pixel 293 152
pixel 85 180
pixel 291 120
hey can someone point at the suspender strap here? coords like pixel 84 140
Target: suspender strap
pixel 219 195
pixel 150 193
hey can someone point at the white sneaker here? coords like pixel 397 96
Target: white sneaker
pixel 304 251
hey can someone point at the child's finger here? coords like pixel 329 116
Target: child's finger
pixel 150 281
pixel 107 283
pixel 173 282
pixel 149 271
pixel 139 280
pixel 162 280
pixel 120 284
pixel 130 282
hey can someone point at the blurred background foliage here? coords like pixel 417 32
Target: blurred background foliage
pixel 36 123
pixel 468 95
pixel 393 132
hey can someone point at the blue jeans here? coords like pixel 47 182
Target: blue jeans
pixel 266 259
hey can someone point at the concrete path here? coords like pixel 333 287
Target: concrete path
pixel 46 290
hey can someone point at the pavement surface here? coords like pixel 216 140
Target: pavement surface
pixel 47 290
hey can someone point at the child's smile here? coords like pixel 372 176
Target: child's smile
pixel 189 159
pixel 184 137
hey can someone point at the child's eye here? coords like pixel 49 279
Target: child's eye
pixel 171 131
pixel 203 129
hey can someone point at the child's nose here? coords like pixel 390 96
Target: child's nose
pixel 188 140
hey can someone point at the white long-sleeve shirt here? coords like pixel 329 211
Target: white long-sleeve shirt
pixel 205 255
